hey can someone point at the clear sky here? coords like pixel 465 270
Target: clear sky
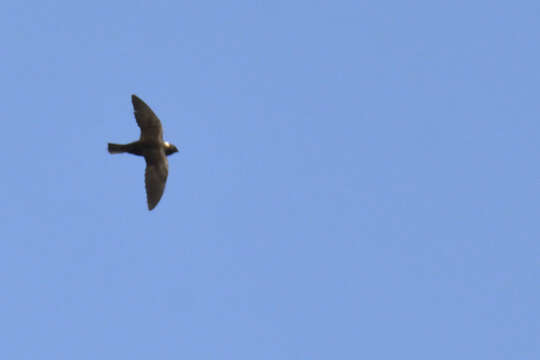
pixel 356 180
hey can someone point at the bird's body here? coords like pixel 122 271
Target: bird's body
pixel 139 148
pixel 152 147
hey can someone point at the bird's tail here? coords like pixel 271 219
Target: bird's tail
pixel 116 148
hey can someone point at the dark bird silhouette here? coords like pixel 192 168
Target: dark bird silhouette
pixel 152 147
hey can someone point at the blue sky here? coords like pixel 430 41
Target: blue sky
pixel 356 180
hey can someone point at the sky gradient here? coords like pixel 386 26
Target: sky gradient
pixel 356 180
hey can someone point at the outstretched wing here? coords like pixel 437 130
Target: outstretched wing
pixel 155 176
pixel 148 121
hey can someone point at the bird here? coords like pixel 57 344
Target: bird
pixel 152 147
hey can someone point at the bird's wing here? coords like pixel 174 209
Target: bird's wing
pixel 155 176
pixel 147 120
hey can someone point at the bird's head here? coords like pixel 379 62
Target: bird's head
pixel 170 148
